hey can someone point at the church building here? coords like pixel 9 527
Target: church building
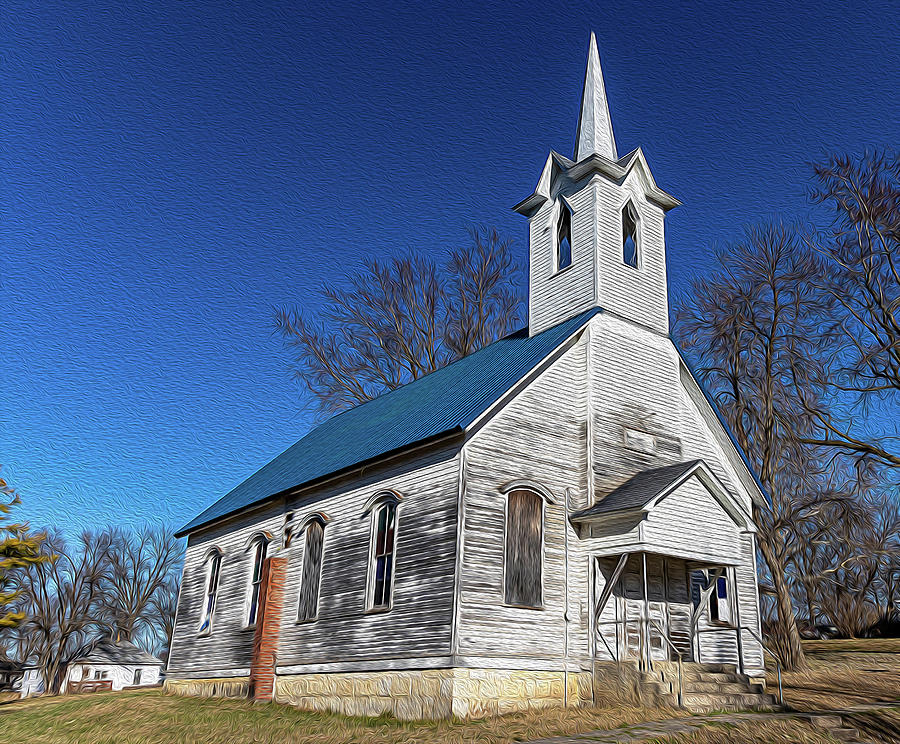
pixel 513 530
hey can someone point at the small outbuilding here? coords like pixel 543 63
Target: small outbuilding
pixel 113 665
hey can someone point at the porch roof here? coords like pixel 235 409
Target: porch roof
pixel 639 490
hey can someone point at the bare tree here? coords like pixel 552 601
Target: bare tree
pixel 62 602
pixel 163 607
pixel 141 564
pixel 401 320
pixel 861 252
pixel 750 326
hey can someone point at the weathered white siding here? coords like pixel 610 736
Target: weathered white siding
pixel 121 675
pixel 555 296
pixel 691 523
pixel 637 294
pixel 416 629
pixel 226 650
pixel 418 626
pixel 540 436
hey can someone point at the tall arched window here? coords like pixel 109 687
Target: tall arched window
pixel 213 564
pixel 382 551
pixel 259 545
pixel 313 550
pixel 630 246
pixel 524 549
pixel 563 237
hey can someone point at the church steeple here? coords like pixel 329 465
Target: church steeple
pixel 595 134
pixel 596 234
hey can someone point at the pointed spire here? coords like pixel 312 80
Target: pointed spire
pixel 595 135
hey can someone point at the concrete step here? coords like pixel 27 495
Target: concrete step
pixel 707 702
pixel 692 685
pixel 845 733
pixel 700 675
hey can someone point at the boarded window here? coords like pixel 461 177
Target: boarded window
pixel 214 563
pixel 312 571
pixel 382 563
pixel 630 235
pixel 564 238
pixel 259 557
pixel 524 548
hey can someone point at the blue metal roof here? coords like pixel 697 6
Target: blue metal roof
pixel 443 402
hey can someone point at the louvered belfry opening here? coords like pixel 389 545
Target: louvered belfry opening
pixel 524 544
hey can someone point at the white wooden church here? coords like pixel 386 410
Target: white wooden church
pixel 515 529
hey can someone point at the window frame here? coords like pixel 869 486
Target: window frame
pixel 543 498
pixel 384 500
pixel 259 545
pixel 562 208
pixel 728 601
pixel 212 560
pixel 638 247
pixel 136 677
pixel 321 521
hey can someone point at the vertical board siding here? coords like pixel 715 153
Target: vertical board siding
pixel 419 621
pixel 540 437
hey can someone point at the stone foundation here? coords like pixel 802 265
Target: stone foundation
pixel 227 687
pixel 430 694
pixel 410 695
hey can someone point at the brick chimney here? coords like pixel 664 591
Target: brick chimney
pixel 265 639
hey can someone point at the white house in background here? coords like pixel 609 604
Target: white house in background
pixel 121 663
pixel 515 530
pixel 106 664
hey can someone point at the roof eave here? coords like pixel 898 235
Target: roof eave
pixel 292 490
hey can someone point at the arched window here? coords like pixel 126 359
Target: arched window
pixel 630 246
pixel 213 564
pixel 563 237
pixel 524 549
pixel 258 545
pixel 382 550
pixel 313 549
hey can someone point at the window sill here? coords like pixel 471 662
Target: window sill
pixel 562 271
pixel 539 608
pixel 248 628
pixel 306 621
pixel 378 610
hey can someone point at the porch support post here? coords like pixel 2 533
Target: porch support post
pixel 646 632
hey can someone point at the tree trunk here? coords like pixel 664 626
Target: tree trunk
pixel 786 626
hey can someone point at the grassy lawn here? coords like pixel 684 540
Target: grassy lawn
pixel 151 716
pixel 842 674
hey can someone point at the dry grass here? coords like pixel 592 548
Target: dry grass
pixel 843 674
pixel 132 717
pixel 768 732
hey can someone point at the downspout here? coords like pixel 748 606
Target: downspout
pixel 566 605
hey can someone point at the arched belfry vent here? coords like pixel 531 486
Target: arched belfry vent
pixel 595 134
pixel 563 237
pixel 630 242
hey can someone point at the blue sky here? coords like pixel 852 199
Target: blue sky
pixel 171 171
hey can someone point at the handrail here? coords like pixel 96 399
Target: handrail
pixel 777 664
pixel 665 637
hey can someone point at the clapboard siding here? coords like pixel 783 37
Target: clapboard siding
pixel 555 296
pixel 748 598
pixel 637 294
pixel 419 623
pixel 539 436
pixel 690 521
pixel 226 650
pixel 420 619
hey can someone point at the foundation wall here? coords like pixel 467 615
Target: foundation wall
pixel 227 687
pixel 412 695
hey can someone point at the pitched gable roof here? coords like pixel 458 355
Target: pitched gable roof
pixel 443 402
pixel 639 490
pixel 121 652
